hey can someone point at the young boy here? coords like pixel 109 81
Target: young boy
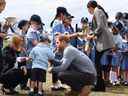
pixel 40 56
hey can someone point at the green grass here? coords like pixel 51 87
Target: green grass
pixel 111 91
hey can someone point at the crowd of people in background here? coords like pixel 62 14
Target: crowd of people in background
pixel 95 54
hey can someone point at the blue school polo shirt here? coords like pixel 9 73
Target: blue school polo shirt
pixel 40 56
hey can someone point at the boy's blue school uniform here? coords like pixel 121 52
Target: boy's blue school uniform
pixel 40 56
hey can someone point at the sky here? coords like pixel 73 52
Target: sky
pixel 23 9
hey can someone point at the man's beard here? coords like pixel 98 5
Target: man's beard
pixel 115 33
pixel 61 49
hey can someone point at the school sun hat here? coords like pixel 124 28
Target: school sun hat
pixel 36 18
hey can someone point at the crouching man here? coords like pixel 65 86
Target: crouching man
pixel 76 70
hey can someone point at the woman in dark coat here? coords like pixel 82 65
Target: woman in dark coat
pixel 10 76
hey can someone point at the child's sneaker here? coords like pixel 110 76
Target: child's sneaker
pixel 58 86
pixel 125 83
pixel 117 82
pixel 113 83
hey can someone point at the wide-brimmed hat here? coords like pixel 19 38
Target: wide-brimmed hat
pixel 37 19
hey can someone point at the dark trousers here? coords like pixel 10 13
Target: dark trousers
pixel 76 80
pixel 100 85
pixel 98 63
pixel 12 78
pixel 1 63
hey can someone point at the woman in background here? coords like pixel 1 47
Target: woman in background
pixel 104 41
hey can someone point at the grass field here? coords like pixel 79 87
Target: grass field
pixel 111 91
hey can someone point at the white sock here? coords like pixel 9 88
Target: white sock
pixel 40 92
pixel 115 76
pixel 111 76
pixel 31 89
